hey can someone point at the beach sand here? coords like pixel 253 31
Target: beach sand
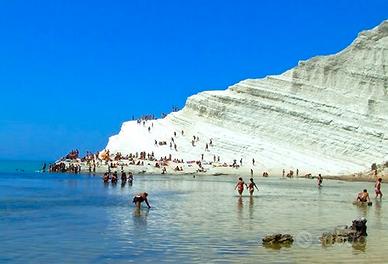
pixel 216 169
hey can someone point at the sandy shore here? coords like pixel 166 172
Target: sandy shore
pixel 212 169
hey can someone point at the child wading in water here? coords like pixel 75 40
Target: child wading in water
pixel 240 186
pixel 251 186
pixel 378 188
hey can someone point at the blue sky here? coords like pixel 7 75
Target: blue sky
pixel 72 71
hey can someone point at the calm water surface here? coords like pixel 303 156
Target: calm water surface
pixel 60 218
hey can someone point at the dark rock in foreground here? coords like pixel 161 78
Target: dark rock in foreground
pixel 278 240
pixel 354 233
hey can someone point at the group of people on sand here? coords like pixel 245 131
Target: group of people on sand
pixel 364 195
pixel 250 186
pixel 62 167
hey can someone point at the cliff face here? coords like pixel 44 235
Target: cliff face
pixel 328 114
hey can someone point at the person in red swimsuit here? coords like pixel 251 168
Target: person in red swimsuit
pixel 240 186
pixel 252 186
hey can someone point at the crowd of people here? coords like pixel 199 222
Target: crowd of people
pixel 62 167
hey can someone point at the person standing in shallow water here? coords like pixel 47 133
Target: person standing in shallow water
pixel 240 186
pixel 251 186
pixel 378 188
pixel 319 180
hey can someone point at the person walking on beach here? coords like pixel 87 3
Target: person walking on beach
pixel 378 188
pixel 139 198
pixel 240 186
pixel 251 186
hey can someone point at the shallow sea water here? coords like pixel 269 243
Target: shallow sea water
pixel 61 218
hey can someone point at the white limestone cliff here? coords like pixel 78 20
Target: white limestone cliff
pixel 329 114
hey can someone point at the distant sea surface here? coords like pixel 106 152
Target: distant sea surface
pixel 64 218
pixel 12 166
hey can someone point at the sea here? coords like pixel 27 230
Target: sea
pixel 67 218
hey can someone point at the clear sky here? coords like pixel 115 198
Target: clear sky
pixel 72 71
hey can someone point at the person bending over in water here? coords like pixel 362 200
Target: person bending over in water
pixel 240 186
pixel 139 198
pixel 363 196
pixel 251 186
pixel 378 188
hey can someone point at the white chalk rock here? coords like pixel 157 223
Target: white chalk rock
pixel 329 114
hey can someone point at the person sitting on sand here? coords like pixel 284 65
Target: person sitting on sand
pixel 251 186
pixel 240 186
pixel 363 196
pixel 139 198
pixel 378 188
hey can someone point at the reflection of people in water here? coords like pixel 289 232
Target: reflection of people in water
pixel 139 198
pixel 363 196
pixel 140 218
pixel 252 186
pixel 240 186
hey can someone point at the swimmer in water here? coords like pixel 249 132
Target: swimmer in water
pixel 240 186
pixel 251 186
pixel 139 198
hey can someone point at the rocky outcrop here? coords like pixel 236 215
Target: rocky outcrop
pixel 278 240
pixel 329 114
pixel 354 233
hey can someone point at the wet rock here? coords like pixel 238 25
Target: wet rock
pixel 278 240
pixel 354 233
